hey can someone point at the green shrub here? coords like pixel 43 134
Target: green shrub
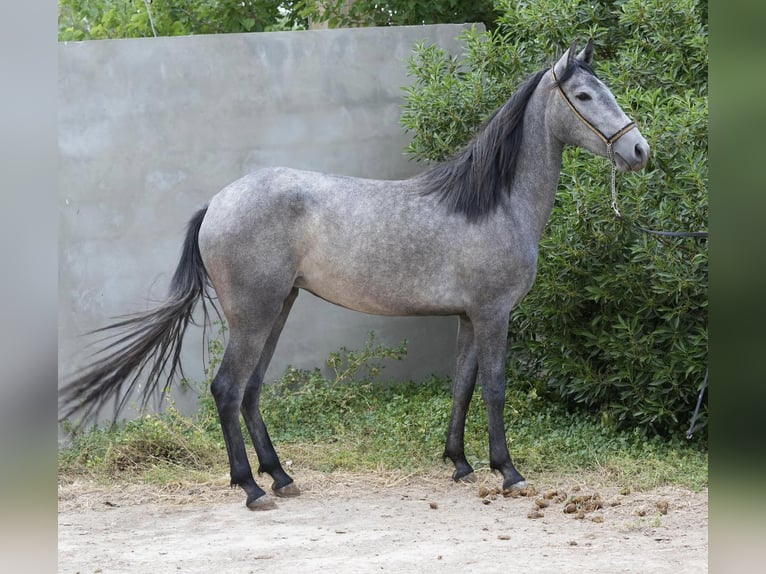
pixel 98 19
pixel 342 13
pixel 617 320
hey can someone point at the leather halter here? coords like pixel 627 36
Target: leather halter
pixel 607 140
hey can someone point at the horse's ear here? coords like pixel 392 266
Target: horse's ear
pixel 571 52
pixel 586 55
pixel 565 60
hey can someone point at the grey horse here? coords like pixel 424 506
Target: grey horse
pixel 459 239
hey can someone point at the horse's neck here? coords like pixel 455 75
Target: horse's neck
pixel 537 171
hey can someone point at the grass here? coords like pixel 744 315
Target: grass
pixel 349 423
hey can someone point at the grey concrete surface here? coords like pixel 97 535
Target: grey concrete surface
pixel 150 129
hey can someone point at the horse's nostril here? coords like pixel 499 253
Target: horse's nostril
pixel 642 151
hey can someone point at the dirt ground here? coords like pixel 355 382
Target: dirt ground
pixel 346 523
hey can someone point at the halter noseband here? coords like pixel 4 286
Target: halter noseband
pixel 607 140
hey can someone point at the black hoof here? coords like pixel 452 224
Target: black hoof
pixel 263 502
pixel 464 474
pixel 288 491
pixel 515 486
pixel 470 477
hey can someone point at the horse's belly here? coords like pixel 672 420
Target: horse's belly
pixel 380 295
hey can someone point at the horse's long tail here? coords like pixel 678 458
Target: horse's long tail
pixel 149 341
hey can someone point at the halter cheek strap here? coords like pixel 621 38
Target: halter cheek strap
pixel 607 140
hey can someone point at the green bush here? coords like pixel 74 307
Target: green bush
pixel 342 13
pixel 100 19
pixel 617 320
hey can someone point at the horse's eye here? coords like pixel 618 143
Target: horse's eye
pixel 583 97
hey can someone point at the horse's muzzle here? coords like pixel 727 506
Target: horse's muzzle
pixel 631 152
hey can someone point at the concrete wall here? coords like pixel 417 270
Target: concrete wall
pixel 150 129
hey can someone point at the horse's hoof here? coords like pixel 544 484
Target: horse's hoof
pixel 264 502
pixel 516 486
pixel 470 477
pixel 287 491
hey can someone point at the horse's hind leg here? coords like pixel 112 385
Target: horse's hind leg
pixel 227 390
pixel 462 391
pixel 283 484
pixel 249 333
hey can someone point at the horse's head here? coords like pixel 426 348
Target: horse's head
pixel 584 112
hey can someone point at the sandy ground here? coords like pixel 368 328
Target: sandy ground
pixel 356 523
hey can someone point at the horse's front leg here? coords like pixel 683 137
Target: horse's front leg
pixel 462 390
pixel 491 333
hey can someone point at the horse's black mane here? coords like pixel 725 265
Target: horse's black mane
pixel 473 181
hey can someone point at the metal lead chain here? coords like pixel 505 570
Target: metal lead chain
pixel 610 155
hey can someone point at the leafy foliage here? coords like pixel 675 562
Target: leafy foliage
pixel 617 321
pixel 345 13
pixel 101 19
